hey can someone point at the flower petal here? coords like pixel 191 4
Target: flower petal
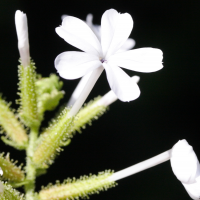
pixel 73 64
pixel 115 30
pixel 140 60
pixel 77 33
pixel 129 44
pixel 193 189
pixel 95 28
pixel 184 162
pixel 122 85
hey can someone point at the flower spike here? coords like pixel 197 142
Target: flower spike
pixel 22 34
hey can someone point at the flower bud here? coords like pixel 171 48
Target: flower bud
pixel 22 35
pixel 186 167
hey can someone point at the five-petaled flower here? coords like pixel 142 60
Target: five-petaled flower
pixel 115 29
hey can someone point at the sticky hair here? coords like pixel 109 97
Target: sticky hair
pixel 10 193
pixel 10 125
pixel 52 139
pixel 28 97
pixel 87 114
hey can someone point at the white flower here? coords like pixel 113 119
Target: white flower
pixel 186 167
pixel 129 44
pixel 22 34
pixel 115 29
pixel 110 97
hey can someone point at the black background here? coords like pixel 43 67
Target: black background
pixel 128 133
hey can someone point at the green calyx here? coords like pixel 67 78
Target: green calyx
pixel 91 111
pixel 11 171
pixel 50 142
pixel 48 92
pixel 28 99
pixel 10 193
pixel 12 127
pixel 80 188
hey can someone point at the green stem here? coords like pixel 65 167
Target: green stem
pixel 30 168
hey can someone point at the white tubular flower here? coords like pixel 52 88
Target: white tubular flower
pixel 186 167
pixel 22 35
pixel 115 30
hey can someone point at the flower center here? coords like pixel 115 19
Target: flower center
pixel 102 60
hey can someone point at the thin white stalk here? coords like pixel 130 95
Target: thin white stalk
pixel 75 95
pixel 156 160
pixel 107 99
pixel 86 91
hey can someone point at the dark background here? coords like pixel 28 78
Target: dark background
pixel 167 110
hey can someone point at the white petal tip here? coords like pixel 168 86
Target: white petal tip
pixel 63 16
pixel 184 162
pixel 22 35
pixel 89 18
pixel 130 96
pixel 19 13
pixel 136 79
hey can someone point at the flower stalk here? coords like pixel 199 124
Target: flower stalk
pixel 156 160
pixel 85 92
pixel 30 166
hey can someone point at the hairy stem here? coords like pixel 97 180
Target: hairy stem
pixel 30 168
